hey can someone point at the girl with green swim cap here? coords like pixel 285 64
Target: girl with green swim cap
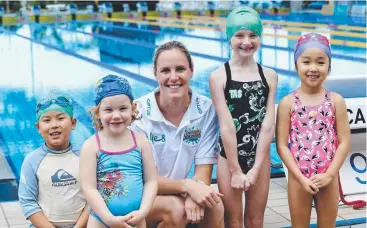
pixel 243 93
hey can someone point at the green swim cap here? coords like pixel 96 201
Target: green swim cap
pixel 243 17
pixel 54 103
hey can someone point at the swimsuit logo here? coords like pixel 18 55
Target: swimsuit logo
pixel 198 106
pixel 62 178
pixel 149 107
pixel 235 93
pixel 154 138
pixel 192 136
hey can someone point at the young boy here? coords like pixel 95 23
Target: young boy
pixel 49 189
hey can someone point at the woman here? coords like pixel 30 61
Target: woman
pixel 182 127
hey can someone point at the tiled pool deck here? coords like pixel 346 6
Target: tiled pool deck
pixel 276 214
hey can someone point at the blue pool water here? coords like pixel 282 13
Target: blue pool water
pixel 71 57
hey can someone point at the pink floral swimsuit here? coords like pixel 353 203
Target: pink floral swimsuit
pixel 313 135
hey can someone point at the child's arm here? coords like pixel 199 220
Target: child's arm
pixel 227 129
pixel 38 219
pixel 28 192
pixel 343 133
pixel 88 179
pixel 267 128
pixel 83 218
pixel 282 136
pixel 150 180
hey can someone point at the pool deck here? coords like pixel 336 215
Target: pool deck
pixel 276 213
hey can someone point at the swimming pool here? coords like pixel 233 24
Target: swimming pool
pixel 71 57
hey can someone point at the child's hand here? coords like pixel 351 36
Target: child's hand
pixel 252 175
pixel 321 180
pixel 240 181
pixel 135 217
pixel 119 221
pixel 308 186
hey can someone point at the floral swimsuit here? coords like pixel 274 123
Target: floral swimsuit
pixel 313 135
pixel 120 179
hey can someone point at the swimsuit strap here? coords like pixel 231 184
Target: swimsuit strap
pixel 98 142
pixel 229 79
pixel 327 95
pixel 134 138
pixel 296 97
pixel 263 79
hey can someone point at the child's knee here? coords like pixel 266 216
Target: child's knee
pixel 217 212
pixel 234 223
pixel 254 221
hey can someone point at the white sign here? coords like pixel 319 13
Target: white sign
pixel 353 173
pixel 357 114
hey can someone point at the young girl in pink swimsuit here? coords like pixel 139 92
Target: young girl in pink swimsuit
pixel 313 136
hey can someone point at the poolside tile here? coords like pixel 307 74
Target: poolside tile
pixel 354 215
pixel 277 202
pixel 14 216
pixel 11 207
pixel 349 210
pixel 280 209
pixel 277 190
pixel 3 222
pixel 278 195
pixel 269 211
pixel 277 225
pixel 18 221
pixel 20 226
pixel 274 219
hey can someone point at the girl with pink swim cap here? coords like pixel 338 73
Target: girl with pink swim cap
pixel 315 121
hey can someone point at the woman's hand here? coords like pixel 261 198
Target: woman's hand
pixel 194 212
pixel 203 194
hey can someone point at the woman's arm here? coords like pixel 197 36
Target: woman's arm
pixel 227 128
pixel 150 175
pixel 267 127
pixel 282 136
pixel 343 133
pixel 88 179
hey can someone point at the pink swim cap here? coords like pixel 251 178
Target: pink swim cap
pixel 312 40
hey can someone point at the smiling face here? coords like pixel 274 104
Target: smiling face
pixel 115 113
pixel 245 43
pixel 173 73
pixel 313 67
pixel 55 128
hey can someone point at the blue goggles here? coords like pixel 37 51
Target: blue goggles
pixel 60 100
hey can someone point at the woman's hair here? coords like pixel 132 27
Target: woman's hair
pixel 96 120
pixel 169 46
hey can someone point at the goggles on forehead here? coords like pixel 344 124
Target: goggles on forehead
pixel 313 37
pixel 60 100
